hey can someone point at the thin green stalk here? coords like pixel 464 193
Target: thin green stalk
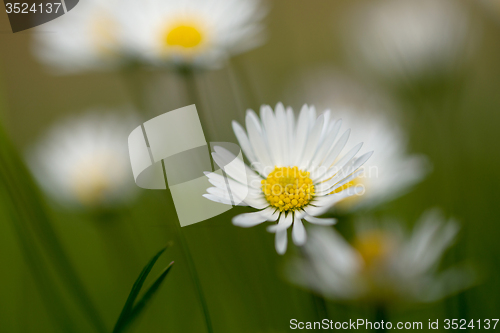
pixel 132 78
pixel 190 262
pixel 194 97
pixel 381 317
pixel 194 275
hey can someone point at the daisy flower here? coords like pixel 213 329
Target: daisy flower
pixel 410 38
pixel 108 33
pixel 297 169
pixel 85 38
pixel 193 32
pixel 83 161
pixel 392 171
pixel 383 264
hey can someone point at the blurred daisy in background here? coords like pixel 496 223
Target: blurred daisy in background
pixel 296 170
pixel 383 264
pixel 83 161
pixel 391 171
pixel 200 33
pixel 107 33
pixel 409 38
pixel 87 37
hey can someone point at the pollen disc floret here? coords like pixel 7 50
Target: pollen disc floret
pixel 184 35
pixel 288 188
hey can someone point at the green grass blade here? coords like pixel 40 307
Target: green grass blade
pixel 141 304
pixel 136 288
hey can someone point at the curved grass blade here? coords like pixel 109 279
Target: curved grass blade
pixel 129 311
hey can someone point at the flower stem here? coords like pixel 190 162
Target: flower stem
pixel 194 275
pixel 194 96
pixel 381 317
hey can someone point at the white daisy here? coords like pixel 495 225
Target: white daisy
pixel 83 161
pixel 383 264
pixel 87 37
pixel 410 38
pixel 391 172
pixel 192 32
pixel 107 33
pixel 296 166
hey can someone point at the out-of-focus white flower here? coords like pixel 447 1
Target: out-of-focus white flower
pixel 87 37
pixel 100 34
pixel 83 161
pixel 391 171
pixel 410 38
pixel 193 32
pixel 298 166
pixel 383 264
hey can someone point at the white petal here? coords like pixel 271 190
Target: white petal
pixel 291 134
pixel 298 232
pixel 284 223
pixel 281 241
pixel 348 156
pixel 312 116
pixel 312 143
pixel 257 141
pixel 235 167
pixel 221 200
pixel 273 134
pixel 318 221
pixel 335 175
pixel 330 200
pixel 339 184
pixel 301 134
pixel 248 220
pixel 244 142
pixel 326 143
pixel 282 123
pixel 332 155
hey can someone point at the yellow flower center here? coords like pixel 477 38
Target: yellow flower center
pixel 184 35
pixel 103 33
pixel 374 246
pixel 288 188
pixel 353 183
pixel 91 180
pixel 91 186
pixel 348 202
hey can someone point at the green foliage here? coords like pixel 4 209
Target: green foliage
pixel 29 218
pixel 130 312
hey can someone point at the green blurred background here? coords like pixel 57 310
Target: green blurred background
pixel 240 272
